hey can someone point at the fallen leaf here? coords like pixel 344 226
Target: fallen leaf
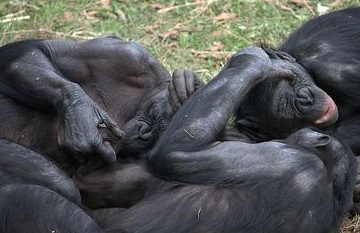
pixel 151 28
pixel 173 33
pixel 91 15
pixel 298 2
pixel 218 33
pixel 217 46
pixel 106 3
pixel 171 45
pixel 121 14
pixel 158 6
pixel 335 3
pixel 222 32
pixel 226 7
pixel 321 9
pixel 225 17
pixel 68 16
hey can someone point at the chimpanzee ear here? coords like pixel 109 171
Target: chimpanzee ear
pixel 315 142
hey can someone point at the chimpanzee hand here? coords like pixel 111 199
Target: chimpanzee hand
pixel 259 64
pixel 78 132
pixel 183 84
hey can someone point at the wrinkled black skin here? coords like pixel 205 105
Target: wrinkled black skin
pixel 57 83
pixel 36 209
pixel 275 109
pixel 327 49
pixel 301 184
pixel 53 95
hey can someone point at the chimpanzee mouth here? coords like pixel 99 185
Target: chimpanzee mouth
pixel 330 115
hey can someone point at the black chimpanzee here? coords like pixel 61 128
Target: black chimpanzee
pixel 328 48
pixel 55 94
pixel 301 184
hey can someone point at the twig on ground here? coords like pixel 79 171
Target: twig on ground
pixel 12 15
pixel 20 18
pixel 44 30
pixel 164 10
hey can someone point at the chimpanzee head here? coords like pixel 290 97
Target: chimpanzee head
pixel 142 131
pixel 275 109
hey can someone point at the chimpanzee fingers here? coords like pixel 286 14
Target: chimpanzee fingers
pixel 174 100
pixel 106 151
pixel 180 85
pixel 275 73
pixel 198 83
pixel 111 124
pixel 189 82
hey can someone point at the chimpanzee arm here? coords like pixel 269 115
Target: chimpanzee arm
pixel 21 165
pixel 30 77
pixel 203 117
pixel 233 162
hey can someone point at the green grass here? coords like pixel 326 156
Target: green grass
pixel 198 35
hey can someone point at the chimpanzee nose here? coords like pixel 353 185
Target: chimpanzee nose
pixel 305 97
pixel 304 100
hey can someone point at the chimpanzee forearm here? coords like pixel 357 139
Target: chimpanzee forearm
pixel 203 117
pixel 30 75
pixel 34 81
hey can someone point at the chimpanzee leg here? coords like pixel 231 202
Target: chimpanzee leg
pixel 36 209
pixel 20 165
pixel 101 216
pixel 116 185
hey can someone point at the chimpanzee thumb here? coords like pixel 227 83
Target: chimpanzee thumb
pixel 107 153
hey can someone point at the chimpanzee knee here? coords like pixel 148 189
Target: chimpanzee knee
pixel 36 209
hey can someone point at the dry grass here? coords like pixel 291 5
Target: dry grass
pixel 352 225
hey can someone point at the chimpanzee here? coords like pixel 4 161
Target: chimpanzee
pixel 63 99
pixel 328 48
pixel 301 184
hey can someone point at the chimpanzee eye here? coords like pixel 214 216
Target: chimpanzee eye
pixel 292 82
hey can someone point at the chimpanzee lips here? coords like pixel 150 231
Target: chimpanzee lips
pixel 330 115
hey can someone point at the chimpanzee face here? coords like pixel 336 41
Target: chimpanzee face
pixel 275 109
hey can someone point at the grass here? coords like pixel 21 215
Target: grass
pixel 195 34
pixel 199 34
